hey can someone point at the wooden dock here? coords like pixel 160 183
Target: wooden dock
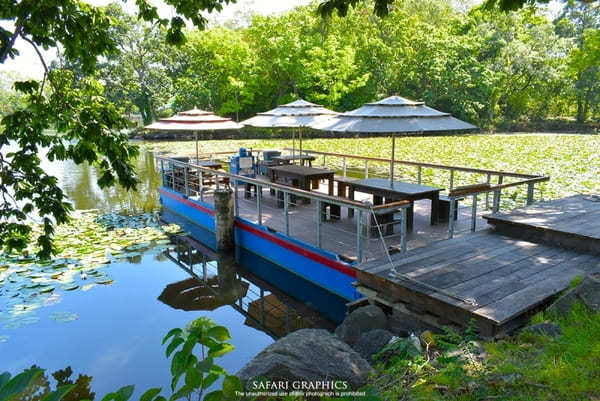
pixel 494 279
pixel 572 222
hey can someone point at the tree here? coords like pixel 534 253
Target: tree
pixel 136 78
pixel 86 126
pixel 382 7
pixel 580 22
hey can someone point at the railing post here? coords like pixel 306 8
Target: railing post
pixel 186 181
pixel 173 176
pixel 451 217
pixel 344 166
pixel 473 213
pixel 530 189
pixel 162 172
pixel 217 186
pixel 318 214
pixel 420 175
pixel 359 237
pixel 236 200
pixel 403 217
pixel 391 170
pixel 201 184
pixel 259 203
pixel 487 194
pixel 366 169
pixel 497 194
pixel 286 211
pixel 451 179
pixel 324 156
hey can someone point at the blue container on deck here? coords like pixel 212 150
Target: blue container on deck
pixel 243 164
pixel 267 160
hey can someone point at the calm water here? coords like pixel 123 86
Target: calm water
pixel 116 339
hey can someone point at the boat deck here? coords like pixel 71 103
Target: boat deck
pixel 339 236
pixel 495 279
pixel 571 222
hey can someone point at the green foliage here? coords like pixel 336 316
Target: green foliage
pixel 87 127
pixel 200 372
pixel 13 388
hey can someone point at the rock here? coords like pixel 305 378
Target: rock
pixel 402 324
pixel 372 342
pixel 360 321
pixel 587 292
pixel 545 328
pixel 308 354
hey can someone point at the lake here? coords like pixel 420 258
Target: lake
pixel 116 333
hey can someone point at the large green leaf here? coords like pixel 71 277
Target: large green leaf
pixel 214 396
pixel 193 377
pixel 18 384
pixel 177 341
pixel 219 333
pixel 205 365
pixel 220 350
pixel 173 332
pixel 59 393
pixel 183 392
pixel 150 394
pixel 232 386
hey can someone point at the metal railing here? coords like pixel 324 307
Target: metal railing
pixel 455 193
pixel 285 208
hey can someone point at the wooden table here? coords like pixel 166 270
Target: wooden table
pixel 302 177
pixel 385 191
pixel 287 159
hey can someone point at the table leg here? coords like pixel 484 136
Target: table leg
pixel 351 196
pixel 335 211
pixel 305 186
pixel 435 208
pixel 410 216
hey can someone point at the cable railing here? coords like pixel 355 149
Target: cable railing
pixel 319 222
pixel 467 187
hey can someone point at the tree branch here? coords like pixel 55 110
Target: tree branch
pixel 18 30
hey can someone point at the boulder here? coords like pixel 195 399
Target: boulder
pixel 587 292
pixel 372 342
pixel 310 355
pixel 360 321
pixel 545 328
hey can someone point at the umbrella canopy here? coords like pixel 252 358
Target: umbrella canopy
pixel 194 120
pixel 299 113
pixel 394 114
pixel 193 294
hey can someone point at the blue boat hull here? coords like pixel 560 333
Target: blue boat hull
pixel 317 266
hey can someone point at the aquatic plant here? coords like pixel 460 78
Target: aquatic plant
pixel 87 245
pixel 200 372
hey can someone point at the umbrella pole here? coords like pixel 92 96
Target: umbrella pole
pixel 293 144
pixel 300 135
pixel 197 160
pixel 393 160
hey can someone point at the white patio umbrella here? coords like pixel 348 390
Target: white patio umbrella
pixel 194 120
pixel 393 115
pixel 296 115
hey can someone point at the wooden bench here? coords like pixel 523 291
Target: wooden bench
pixel 458 194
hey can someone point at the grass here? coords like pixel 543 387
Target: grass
pixel 572 161
pixel 525 367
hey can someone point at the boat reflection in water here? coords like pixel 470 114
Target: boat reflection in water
pixel 217 280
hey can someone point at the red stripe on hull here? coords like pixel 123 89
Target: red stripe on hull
pixel 187 202
pixel 341 267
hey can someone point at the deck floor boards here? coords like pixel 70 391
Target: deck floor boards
pixel 506 276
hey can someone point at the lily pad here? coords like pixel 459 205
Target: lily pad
pixel 69 286
pixel 104 280
pixel 88 287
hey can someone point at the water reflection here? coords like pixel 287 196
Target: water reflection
pixel 217 280
pixel 41 386
pixel 79 181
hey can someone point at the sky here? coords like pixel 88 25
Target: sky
pixel 29 65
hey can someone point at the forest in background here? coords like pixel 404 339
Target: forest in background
pixel 493 68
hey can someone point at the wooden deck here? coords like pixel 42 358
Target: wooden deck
pixel 572 222
pixel 505 278
pixel 339 236
pixel 495 276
